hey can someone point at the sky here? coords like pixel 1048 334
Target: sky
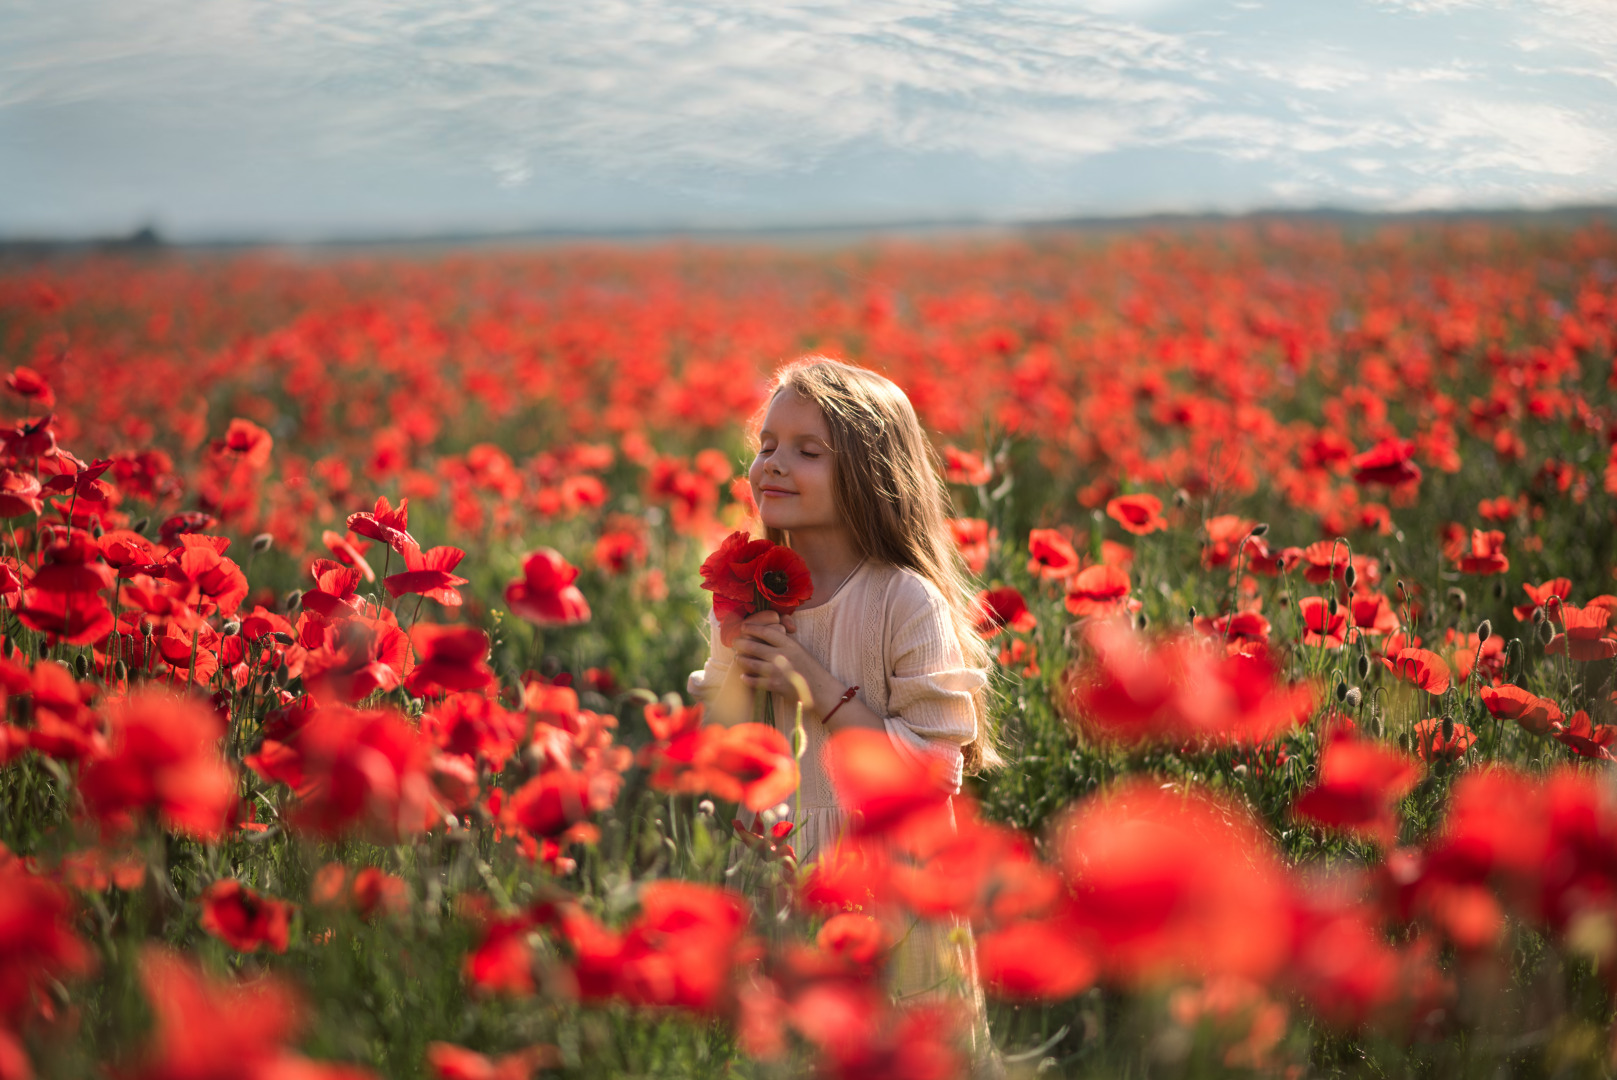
pixel 319 119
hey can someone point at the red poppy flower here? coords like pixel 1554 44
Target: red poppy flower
pixel 1424 669
pixel 244 919
pixel 1322 628
pixel 1359 787
pixel 964 467
pixel 77 618
pixel 335 594
pixel 448 658
pixel 1433 745
pixel 429 574
pixel 1002 607
pixel 1584 738
pixel 782 579
pixel 1225 535
pixel 751 764
pixel 730 571
pixel 19 494
pixel 1325 560
pixel 450 1062
pixel 1536 714
pixel 164 758
pixel 1170 883
pixel 30 385
pixel 553 802
pixel 1097 590
pixel 38 946
pixel 384 523
pixel 1539 594
pixel 1581 632
pixel 877 786
pixel 545 594
pixel 348 553
pixel 974 540
pixel 1388 463
pixel 1051 557
pixel 1139 514
pixel 1373 614
pixel 1041 959
pixel 208 1029
pixel 1485 555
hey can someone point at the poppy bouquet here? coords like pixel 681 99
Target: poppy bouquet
pixel 746 576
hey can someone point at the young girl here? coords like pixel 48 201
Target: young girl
pixel 845 476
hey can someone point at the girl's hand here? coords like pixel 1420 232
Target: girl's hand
pixel 766 637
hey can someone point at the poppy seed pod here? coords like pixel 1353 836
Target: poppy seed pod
pixel 262 543
pixel 1354 697
pixel 1484 631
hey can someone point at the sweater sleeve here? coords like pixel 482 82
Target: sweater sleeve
pixel 930 705
pixel 702 685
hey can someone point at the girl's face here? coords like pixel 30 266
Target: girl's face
pixel 791 476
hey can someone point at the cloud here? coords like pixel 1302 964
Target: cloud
pixel 1375 102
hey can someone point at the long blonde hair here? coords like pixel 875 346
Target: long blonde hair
pixel 891 494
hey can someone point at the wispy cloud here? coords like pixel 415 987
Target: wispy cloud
pixel 542 111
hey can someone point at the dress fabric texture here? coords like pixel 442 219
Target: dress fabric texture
pixel 888 630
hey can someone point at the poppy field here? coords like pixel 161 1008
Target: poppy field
pixel 347 603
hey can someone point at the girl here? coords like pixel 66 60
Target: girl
pixel 845 476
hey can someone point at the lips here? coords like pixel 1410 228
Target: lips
pixel 775 491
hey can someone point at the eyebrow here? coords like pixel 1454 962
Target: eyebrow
pixel 805 435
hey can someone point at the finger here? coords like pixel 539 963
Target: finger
pixel 761 618
pixel 789 623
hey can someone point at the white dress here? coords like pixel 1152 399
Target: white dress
pixel 889 631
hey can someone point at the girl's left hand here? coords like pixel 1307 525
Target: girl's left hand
pixel 764 638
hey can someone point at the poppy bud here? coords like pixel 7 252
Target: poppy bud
pixel 1193 613
pixel 1448 729
pixel 1403 740
pixel 140 525
pixel 769 817
pixel 293 599
pixel 1499 589
pixel 1484 631
pixel 1341 691
pixel 231 628
pixel 1332 605
pixel 1260 529
pixel 1354 697
pixel 266 681
pixel 1142 622
pixel 282 673
pixel 262 543
pixel 96 530
pixel 705 808
pixel 1546 632
pixel 1364 665
pixel 1403 592
pixel 282 637
pixel 1351 576
pixel 120 671
pixel 44 649
pixel 1181 497
pixel 1538 616
pixel 1457 597
pixel 82 666
pixel 145 629
pixel 1283 600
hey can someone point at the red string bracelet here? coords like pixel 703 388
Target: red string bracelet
pixel 847 696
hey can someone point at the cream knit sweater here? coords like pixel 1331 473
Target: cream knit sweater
pixel 887 630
